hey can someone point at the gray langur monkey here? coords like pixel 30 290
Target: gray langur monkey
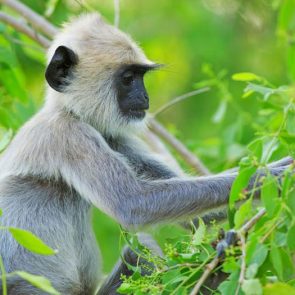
pixel 81 149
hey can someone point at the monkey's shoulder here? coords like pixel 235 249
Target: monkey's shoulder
pixel 45 142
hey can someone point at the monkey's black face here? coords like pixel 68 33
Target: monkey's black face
pixel 132 97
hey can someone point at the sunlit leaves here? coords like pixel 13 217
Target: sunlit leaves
pixel 269 195
pixel 30 241
pixel 281 262
pixel 241 182
pixel 278 289
pixel 243 213
pixel 246 77
pixel 199 235
pixel 256 253
pixel 291 237
pixel 290 123
pixel 252 287
pixel 38 281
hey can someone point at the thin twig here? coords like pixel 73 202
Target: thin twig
pixel 158 147
pixel 23 28
pixel 213 264
pixel 37 21
pixel 243 264
pixel 3 275
pixel 117 13
pixel 25 44
pixel 188 156
pixel 247 226
pixel 209 268
pixel 179 99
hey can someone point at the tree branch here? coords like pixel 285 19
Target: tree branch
pixel 158 146
pixel 117 13
pixel 213 264
pixel 20 26
pixel 188 156
pixel 37 21
pixel 179 99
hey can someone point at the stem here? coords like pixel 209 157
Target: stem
pixel 188 156
pixel 117 13
pixel 212 265
pixel 23 28
pixel 3 272
pixel 158 146
pixel 209 268
pixel 179 99
pixel 32 17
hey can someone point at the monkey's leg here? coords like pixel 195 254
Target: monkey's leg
pixel 114 280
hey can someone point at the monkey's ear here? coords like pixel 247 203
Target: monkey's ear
pixel 63 60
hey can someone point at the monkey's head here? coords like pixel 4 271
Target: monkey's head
pixel 97 73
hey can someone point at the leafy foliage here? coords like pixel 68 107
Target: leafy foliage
pixel 269 247
pixel 245 117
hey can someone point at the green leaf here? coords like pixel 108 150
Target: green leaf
pixel 276 260
pixel 252 287
pixel 230 264
pixel 230 286
pixel 30 241
pixel 199 235
pixel 270 194
pixel 125 288
pixel 290 201
pixel 170 275
pixel 256 148
pixel 258 256
pixel 281 262
pixel 243 213
pixel 251 271
pixel 245 76
pixel 278 289
pixel 290 123
pixel 240 183
pixel 38 281
pixel 291 238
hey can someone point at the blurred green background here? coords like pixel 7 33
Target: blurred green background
pixel 201 42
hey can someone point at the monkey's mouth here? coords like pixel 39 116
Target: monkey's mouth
pixel 135 113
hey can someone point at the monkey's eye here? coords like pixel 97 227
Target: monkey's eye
pixel 127 78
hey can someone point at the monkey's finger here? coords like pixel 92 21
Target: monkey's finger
pixel 283 162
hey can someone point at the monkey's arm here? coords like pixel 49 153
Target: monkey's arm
pixel 103 177
pixel 142 160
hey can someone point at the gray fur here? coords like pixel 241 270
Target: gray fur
pixel 77 152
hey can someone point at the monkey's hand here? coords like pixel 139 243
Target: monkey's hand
pixel 230 239
pixel 286 161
